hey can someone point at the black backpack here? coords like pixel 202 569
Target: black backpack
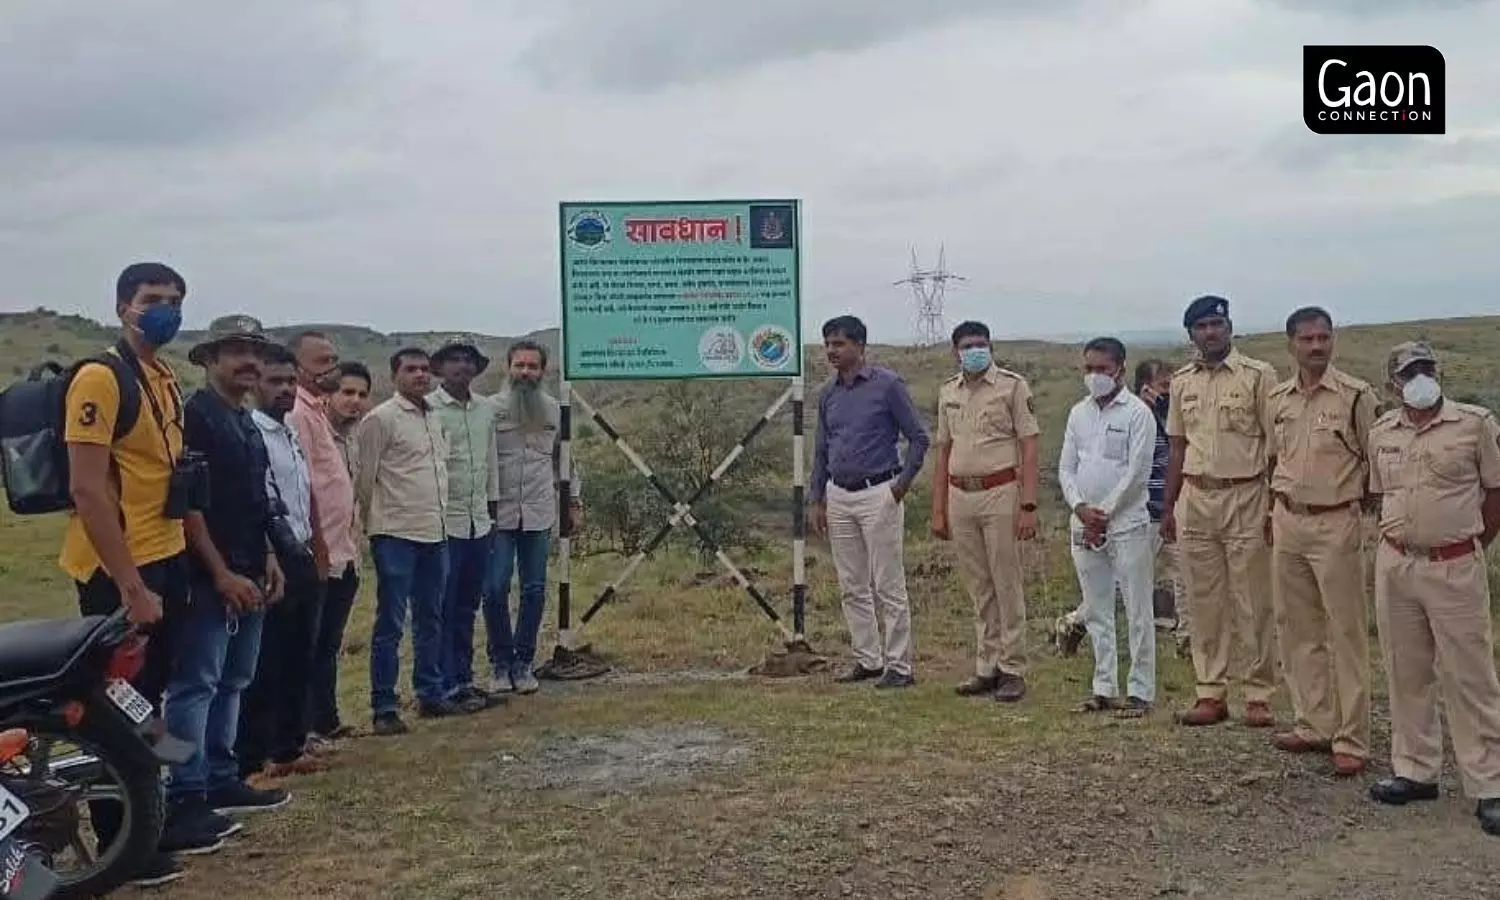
pixel 33 455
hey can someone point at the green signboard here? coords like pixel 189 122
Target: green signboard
pixel 687 289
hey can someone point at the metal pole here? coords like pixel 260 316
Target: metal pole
pixel 565 523
pixel 799 513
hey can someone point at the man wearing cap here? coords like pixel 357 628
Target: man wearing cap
pixel 234 577
pixel 1216 505
pixel 1436 466
pixel 469 421
pixel 1321 419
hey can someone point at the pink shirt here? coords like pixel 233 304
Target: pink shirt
pixel 332 488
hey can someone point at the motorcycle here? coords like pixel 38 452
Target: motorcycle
pixel 23 864
pixel 92 754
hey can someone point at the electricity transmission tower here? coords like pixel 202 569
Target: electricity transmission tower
pixel 928 287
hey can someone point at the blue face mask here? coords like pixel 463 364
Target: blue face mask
pixel 159 324
pixel 974 359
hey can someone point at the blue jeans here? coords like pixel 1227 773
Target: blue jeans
pixel 407 573
pixel 215 663
pixel 511 651
pixel 468 568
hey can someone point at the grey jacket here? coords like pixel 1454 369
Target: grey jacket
pixel 528 464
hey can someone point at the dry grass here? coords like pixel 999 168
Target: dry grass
pixel 845 792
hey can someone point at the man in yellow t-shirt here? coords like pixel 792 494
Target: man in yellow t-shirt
pixel 120 547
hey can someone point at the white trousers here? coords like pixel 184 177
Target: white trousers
pixel 1128 559
pixel 866 530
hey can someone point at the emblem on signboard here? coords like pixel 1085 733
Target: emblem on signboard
pixel 588 229
pixel 721 348
pixel 772 227
pixel 771 346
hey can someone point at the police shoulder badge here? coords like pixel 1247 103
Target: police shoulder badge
pixel 1031 405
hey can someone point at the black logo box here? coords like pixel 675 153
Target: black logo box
pixel 1374 89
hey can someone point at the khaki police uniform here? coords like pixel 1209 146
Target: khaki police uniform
pixel 984 422
pixel 1318 575
pixel 1432 599
pixel 1221 410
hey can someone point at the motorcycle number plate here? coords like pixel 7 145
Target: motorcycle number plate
pixel 129 700
pixel 12 812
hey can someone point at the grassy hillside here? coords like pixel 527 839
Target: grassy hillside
pixel 686 427
pixel 1470 348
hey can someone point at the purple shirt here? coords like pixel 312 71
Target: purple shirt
pixel 858 425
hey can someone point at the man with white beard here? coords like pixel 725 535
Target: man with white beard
pixel 526 444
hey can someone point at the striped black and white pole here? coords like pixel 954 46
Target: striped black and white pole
pixel 565 520
pixel 682 512
pixel 799 513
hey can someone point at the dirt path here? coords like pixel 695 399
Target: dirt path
pixel 723 791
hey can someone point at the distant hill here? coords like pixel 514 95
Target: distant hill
pixel 1470 348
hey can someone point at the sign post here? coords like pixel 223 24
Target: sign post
pixel 694 289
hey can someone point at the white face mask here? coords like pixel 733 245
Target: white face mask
pixel 1422 392
pixel 1099 385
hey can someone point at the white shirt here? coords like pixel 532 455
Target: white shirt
pixel 1106 459
pixel 288 472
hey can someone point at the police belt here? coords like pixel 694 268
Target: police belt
pixel 1311 509
pixel 983 482
pixel 1210 483
pixel 1445 553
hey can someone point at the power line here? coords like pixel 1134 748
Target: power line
pixel 928 289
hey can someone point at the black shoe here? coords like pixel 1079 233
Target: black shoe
pixel 442 709
pixel 1010 688
pixel 893 679
pixel 977 685
pixel 158 869
pixel 239 797
pixel 1488 812
pixel 857 673
pixel 221 825
pixel 388 725
pixel 188 830
pixel 472 700
pixel 1400 791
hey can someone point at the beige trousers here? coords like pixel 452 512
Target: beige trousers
pixel 1226 571
pixel 1322 625
pixel 983 525
pixel 866 530
pixel 1434 620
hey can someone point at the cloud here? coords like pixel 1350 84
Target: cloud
pixel 166 72
pixel 1376 7
pixel 399 165
pixel 1298 150
pixel 650 44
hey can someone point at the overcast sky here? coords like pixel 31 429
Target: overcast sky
pixel 1090 164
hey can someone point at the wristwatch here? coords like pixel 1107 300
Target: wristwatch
pixel 1028 507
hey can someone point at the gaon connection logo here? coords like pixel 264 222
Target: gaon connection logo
pixel 1386 89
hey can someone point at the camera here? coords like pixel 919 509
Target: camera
pixel 187 489
pixel 283 540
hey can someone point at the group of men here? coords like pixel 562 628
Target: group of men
pixel 1236 479
pixel 227 524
